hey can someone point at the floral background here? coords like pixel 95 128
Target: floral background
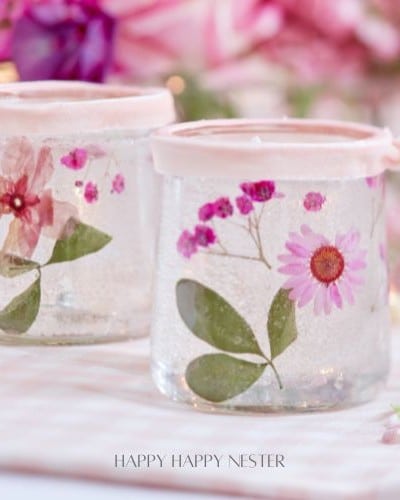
pixel 303 57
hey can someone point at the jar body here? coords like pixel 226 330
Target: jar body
pixel 77 258
pixel 281 303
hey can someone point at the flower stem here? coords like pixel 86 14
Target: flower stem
pixel 273 367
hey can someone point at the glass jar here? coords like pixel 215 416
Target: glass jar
pixel 79 210
pixel 271 290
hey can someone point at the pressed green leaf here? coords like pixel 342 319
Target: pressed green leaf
pixel 282 330
pixel 21 312
pixel 218 377
pixel 12 265
pixel 212 319
pixel 78 240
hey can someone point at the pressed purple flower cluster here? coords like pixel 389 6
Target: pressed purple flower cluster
pixel 222 208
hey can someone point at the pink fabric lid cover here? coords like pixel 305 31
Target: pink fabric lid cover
pixel 66 108
pixel 274 149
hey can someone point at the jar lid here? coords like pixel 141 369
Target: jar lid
pixel 63 107
pixel 273 149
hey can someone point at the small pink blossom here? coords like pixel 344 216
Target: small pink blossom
pixel 118 184
pixel 313 201
pixel 204 235
pixel 76 159
pixel 91 193
pixel 187 244
pixel 259 191
pixel 206 212
pixel 223 208
pixel 244 204
pixel 78 184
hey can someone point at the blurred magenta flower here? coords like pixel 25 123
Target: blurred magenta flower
pixel 63 39
pixel 10 10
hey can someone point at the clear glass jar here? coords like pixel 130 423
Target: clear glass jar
pixel 271 290
pixel 79 211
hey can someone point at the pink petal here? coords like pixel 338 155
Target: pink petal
pixel 335 295
pixel 10 244
pixel 307 294
pixel 293 269
pixel 45 209
pixel 327 301
pixel 62 212
pixel 350 241
pixel 43 171
pixel 291 259
pixel 353 279
pixel 297 250
pixel 356 264
pixel 18 158
pixel 296 281
pixel 345 290
pixel 319 300
pixel 28 238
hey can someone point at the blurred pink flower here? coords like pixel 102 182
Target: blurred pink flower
pixel 24 196
pixel 317 39
pixel 63 39
pixel 158 37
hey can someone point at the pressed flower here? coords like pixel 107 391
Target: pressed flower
pixel 313 201
pixel 321 271
pixel 187 244
pixel 118 184
pixel 259 191
pixel 206 212
pixel 76 159
pixel 24 196
pixel 91 193
pixel 204 235
pixel 223 208
pixel 244 204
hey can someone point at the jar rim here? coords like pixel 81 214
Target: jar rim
pixel 70 107
pixel 244 148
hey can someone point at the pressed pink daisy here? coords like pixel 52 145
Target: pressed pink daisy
pixel 322 271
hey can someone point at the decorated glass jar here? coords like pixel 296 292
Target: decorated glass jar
pixel 271 289
pixel 78 210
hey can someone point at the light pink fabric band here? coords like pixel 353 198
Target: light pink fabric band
pixel 274 149
pixel 64 108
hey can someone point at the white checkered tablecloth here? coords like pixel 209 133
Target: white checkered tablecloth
pixel 68 410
